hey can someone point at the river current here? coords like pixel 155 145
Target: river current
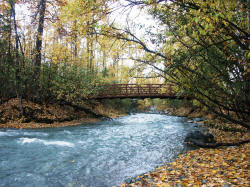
pixel 99 154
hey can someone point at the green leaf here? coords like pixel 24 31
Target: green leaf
pixel 196 20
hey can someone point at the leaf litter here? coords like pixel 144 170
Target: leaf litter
pixel 223 166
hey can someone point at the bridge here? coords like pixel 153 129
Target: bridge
pixel 112 91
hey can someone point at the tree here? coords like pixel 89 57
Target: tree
pixel 204 50
pixel 17 59
pixel 39 38
pixel 6 48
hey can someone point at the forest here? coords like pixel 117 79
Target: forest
pixel 55 55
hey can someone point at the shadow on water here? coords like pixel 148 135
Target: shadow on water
pixel 99 154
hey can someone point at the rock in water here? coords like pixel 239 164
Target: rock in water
pixel 200 137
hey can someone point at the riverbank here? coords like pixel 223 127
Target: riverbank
pixel 61 114
pixel 33 125
pixel 189 112
pixel 57 114
pixel 228 166
pixel 223 166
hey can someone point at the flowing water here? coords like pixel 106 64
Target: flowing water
pixel 99 154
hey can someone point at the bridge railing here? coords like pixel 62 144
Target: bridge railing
pixel 133 90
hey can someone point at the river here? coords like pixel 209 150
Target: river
pixel 99 154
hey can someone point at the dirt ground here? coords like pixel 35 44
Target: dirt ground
pixel 41 115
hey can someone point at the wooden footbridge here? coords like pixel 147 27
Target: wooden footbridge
pixel 112 91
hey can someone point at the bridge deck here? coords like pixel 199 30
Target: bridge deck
pixel 110 91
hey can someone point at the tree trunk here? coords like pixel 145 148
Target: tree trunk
pixel 38 49
pixel 90 54
pixel 17 60
pixel 104 62
pixel 90 48
pixel 74 42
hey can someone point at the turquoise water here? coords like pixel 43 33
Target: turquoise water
pixel 99 154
